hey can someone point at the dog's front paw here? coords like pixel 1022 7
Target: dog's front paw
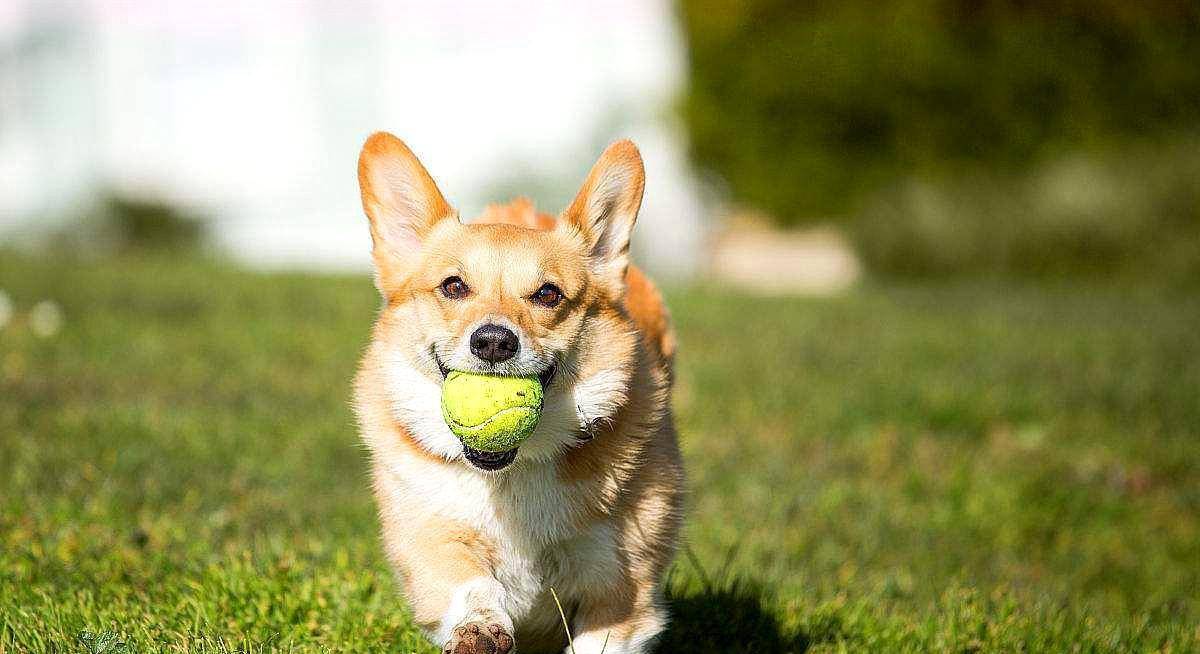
pixel 479 638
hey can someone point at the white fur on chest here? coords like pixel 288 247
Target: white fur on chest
pixel 530 516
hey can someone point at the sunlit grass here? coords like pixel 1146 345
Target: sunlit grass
pixel 962 467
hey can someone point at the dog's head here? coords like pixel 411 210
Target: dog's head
pixel 502 298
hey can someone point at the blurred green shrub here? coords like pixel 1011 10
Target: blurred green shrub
pixel 806 109
pixel 149 223
pixel 115 223
pixel 1125 212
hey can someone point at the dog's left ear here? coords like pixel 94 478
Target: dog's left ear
pixel 607 206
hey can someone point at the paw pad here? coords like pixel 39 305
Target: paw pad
pixel 479 638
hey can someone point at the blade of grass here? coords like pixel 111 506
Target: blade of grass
pixel 563 615
pixel 570 641
pixel 691 557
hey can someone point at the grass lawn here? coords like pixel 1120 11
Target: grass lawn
pixel 959 468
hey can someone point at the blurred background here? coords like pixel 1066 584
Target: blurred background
pixel 249 116
pixel 910 137
pixel 933 266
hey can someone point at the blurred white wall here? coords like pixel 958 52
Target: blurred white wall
pixel 253 112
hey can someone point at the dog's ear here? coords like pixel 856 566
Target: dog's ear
pixel 401 200
pixel 607 206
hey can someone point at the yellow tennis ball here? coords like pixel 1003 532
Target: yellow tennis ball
pixel 491 413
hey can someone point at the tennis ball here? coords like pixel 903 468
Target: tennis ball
pixel 491 413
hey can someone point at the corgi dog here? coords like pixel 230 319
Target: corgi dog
pixel 590 505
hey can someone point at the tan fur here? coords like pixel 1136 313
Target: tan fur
pixel 595 519
pixel 642 299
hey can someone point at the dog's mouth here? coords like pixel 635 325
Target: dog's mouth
pixel 545 377
pixel 492 461
pixel 489 460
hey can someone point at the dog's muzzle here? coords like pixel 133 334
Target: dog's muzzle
pixel 492 461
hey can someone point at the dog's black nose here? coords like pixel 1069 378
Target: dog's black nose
pixel 494 343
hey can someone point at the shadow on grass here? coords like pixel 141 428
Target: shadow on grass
pixel 728 620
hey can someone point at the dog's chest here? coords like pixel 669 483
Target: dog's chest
pixel 542 541
pixel 533 520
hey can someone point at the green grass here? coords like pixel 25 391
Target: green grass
pixel 958 468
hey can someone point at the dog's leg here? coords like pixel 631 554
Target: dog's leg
pixel 447 573
pixel 618 629
pixel 475 621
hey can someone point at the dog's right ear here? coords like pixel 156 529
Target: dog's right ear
pixel 401 200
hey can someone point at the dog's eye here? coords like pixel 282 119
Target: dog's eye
pixel 454 287
pixel 548 295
